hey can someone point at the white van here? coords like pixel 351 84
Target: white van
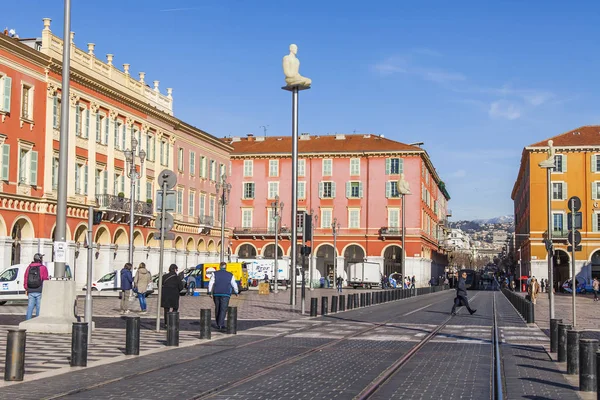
pixel 110 281
pixel 11 281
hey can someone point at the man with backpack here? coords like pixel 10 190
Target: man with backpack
pixel 35 275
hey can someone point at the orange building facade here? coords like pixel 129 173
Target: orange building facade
pixel 349 178
pixel 576 173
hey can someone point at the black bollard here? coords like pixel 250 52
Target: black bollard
pixel 362 300
pixel 205 331
pixel 356 301
pixel 587 365
pixel 373 298
pixel 554 334
pixel 313 306
pixel 232 320
pixel 173 329
pixel 350 301
pixel 79 344
pixel 562 342
pixel 342 302
pixel 324 301
pixel 132 336
pixel 14 364
pixel 572 352
pixel 334 304
pixel 368 299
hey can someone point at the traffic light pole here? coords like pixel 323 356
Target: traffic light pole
pixel 88 291
pixel 303 291
pixel 573 248
pixel 162 251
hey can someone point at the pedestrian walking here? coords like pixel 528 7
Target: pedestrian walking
pixel 172 285
pixel 533 289
pixel 220 287
pixel 596 287
pixel 338 283
pixel 412 282
pixel 126 286
pixel 142 286
pixel 542 285
pixel 461 295
pixel 35 275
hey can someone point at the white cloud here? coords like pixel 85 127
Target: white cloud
pixel 504 109
pixel 394 65
pixel 461 173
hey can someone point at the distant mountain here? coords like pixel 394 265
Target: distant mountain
pixel 505 219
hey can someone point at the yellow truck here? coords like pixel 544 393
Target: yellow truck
pixel 239 271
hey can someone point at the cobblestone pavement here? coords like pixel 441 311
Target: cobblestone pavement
pixel 587 311
pixel 331 357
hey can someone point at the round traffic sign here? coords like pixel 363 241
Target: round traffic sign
pixel 169 222
pixel 574 204
pixel 577 238
pixel 167 176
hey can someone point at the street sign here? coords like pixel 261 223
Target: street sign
pixel 570 248
pixel 577 203
pixel 60 252
pixel 169 204
pixel 577 237
pixel 167 176
pixel 578 221
pixel 168 236
pixel 169 222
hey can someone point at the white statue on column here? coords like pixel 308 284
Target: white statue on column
pixel 291 69
pixel 549 162
pixel 403 186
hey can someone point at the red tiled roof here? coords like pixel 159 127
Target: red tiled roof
pixel 582 136
pixel 318 144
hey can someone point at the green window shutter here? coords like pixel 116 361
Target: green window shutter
pixel 168 151
pixel 333 190
pixel 85 179
pixel 564 163
pixel 594 222
pixel 594 190
pixel 388 164
pixel 55 112
pixel 401 165
pixel 6 97
pixel 106 130
pixel 565 195
pixel 77 120
pixel 87 122
pixel 124 137
pixel 321 190
pixel 348 189
pixel 593 162
pixel 98 127
pixel 33 168
pixel 388 189
pixel 105 182
pixel 360 190
pixel 5 161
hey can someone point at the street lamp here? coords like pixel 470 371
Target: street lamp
pixel 134 176
pixel 549 164
pixel 312 244
pixel 277 207
pixel 403 189
pixel 223 201
pixel 335 229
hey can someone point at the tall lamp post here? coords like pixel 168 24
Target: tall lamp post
pixel 223 201
pixel 549 164
pixel 315 218
pixel 335 229
pixel 134 176
pixel 403 189
pixel 277 207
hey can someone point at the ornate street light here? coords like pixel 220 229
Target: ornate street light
pixel 277 207
pixel 134 176
pixel 223 201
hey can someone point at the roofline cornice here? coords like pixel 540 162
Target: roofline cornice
pixel 24 51
pixel 328 154
pixel 544 149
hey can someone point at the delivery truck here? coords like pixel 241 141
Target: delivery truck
pixel 364 274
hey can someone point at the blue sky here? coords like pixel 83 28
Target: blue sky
pixel 473 80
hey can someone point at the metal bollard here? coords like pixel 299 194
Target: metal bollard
pixel 334 304
pixel 554 334
pixel 232 320
pixel 587 365
pixel 173 329
pixel 531 313
pixel 350 301
pixel 562 342
pixel 362 300
pixel 356 300
pixel 368 299
pixel 14 364
pixel 205 331
pixel 342 302
pixel 313 306
pixel 573 352
pixel 324 301
pixel 79 344
pixel 132 336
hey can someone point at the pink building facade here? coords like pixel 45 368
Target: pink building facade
pixel 349 178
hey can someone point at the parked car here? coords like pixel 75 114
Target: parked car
pixel 12 281
pixel 582 288
pixel 110 281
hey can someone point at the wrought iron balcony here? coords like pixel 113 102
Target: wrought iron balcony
pixel 387 231
pixel 121 205
pixel 262 232
pixel 206 220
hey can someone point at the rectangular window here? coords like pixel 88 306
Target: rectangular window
pixel 28 160
pixel 203 167
pixel 354 218
pixel 246 218
pixel 180 201
pixel 213 170
pixel 27 103
pixel 559 163
pixel 149 141
pixel 148 190
pixel 191 202
pixel 394 166
pixel 391 190
pixel 327 190
pixel 393 217
pixel 248 190
pixel 116 184
pixel 86 132
pixel 6 162
pixel 106 131
pixel 222 170
pixel 5 90
pixel 273 189
pixel 595 222
pixel 326 218
pixel 97 180
pixel 105 183
pixel 123 136
pixel 327 167
pixel 354 190
pixel 54 173
pixel 596 163
pixel 202 207
pixel 192 163
pixel 301 190
pixel 99 122
pixel 559 191
pixel 55 112
pixel 180 160
pixel 595 190
pixel 557 223
pixel 270 220
pixel 211 207
pixel 162 152
pixel 302 167
pixel 248 168
pixel 117 130
pixel 354 166
pixel 273 167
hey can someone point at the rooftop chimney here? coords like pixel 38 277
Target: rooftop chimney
pixel 250 137
pixel 340 136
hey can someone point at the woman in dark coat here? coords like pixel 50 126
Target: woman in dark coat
pixel 172 284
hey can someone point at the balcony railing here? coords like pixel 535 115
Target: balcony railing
pixel 390 231
pixel 122 204
pixel 206 220
pixel 560 234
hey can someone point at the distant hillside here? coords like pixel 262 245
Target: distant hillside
pixel 505 219
pixel 498 223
